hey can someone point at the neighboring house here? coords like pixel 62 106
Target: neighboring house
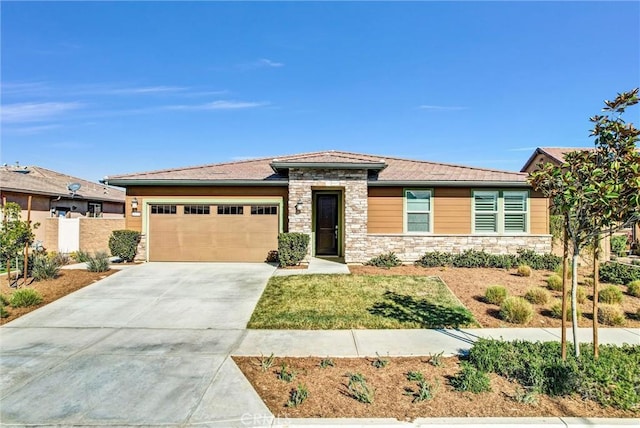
pixel 55 195
pixel 354 206
pixel 555 155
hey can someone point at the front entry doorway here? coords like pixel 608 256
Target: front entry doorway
pixel 327 224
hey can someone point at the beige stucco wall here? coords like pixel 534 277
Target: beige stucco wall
pixel 95 233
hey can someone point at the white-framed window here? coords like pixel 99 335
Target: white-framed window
pixel 417 208
pixel 515 211
pixel 497 211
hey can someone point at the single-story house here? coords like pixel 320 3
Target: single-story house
pixel 57 195
pixel 354 206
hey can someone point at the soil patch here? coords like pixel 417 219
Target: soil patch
pixel 469 286
pixel 68 281
pixel 393 397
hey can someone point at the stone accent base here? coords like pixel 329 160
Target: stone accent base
pixel 410 248
pixel 141 251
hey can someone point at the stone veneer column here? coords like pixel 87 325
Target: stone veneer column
pixel 354 185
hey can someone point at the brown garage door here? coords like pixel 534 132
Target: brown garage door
pixel 212 233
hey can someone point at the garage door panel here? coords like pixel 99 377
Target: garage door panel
pixel 212 237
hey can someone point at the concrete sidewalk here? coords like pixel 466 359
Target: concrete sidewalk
pixel 396 343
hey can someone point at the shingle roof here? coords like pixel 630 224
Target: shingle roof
pixel 556 154
pixel 41 181
pixel 259 170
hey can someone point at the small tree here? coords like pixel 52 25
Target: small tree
pixel 16 234
pixel 595 190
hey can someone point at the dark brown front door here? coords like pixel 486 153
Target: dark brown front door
pixel 327 225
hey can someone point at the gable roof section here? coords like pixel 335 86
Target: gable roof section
pixel 41 181
pixel 555 154
pixel 392 171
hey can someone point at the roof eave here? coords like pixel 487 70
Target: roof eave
pixel 62 195
pixel 448 183
pixel 126 182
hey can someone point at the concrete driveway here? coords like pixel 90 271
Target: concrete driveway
pixel 148 345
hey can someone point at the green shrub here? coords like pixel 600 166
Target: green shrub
pixel 556 227
pixel 285 374
pixel 426 391
pixel 434 259
pixel 124 243
pixel 610 315
pixel 469 378
pixel 327 362
pixel 635 262
pixel 61 259
pixel 4 300
pixel 4 313
pixel 98 263
pixel 516 310
pixel 633 288
pixel 610 295
pixel 617 273
pixel 524 270
pixel 611 380
pixel 297 396
pixel 619 245
pixel 292 248
pixel 495 294
pixel 25 297
pixel 482 259
pixel 80 256
pixel 581 295
pixel 537 296
pixel 556 310
pixel 554 282
pixel 44 268
pixel 537 261
pixel 359 389
pixel 386 261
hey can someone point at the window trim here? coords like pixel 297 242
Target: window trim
pixel 500 227
pixel 406 212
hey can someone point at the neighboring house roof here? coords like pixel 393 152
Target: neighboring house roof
pixel 41 181
pixel 273 170
pixel 553 154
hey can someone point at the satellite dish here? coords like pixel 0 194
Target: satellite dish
pixel 74 187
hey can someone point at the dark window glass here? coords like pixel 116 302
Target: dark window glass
pixel 230 209
pixel 197 209
pixel 264 210
pixel 163 209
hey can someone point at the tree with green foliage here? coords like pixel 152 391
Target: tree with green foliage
pixel 16 234
pixel 596 191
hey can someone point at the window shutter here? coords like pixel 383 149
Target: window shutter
pixel 515 208
pixel 486 207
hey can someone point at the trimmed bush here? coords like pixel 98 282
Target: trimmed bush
pixel 554 282
pixel 537 296
pixel 292 248
pixel 556 310
pixel 434 259
pixel 610 315
pixel 25 297
pixel 495 294
pixel 98 263
pixel 124 244
pixel 524 270
pixel 386 260
pixel 537 261
pixel 633 288
pixel 44 268
pixel 610 295
pixel 617 273
pixel 516 310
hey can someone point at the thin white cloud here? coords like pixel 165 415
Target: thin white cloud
pixel 440 108
pixel 146 90
pixel 269 63
pixel 260 63
pixel 219 105
pixel 36 112
pixel 22 88
pixel 29 130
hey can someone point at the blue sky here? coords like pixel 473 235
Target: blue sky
pixel 97 88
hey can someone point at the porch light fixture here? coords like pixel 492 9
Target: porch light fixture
pixel 299 206
pixel 134 204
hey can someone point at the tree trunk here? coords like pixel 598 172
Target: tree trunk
pixel 565 276
pixel 596 280
pixel 574 301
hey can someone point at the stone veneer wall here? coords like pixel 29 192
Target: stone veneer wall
pixel 354 184
pixel 410 248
